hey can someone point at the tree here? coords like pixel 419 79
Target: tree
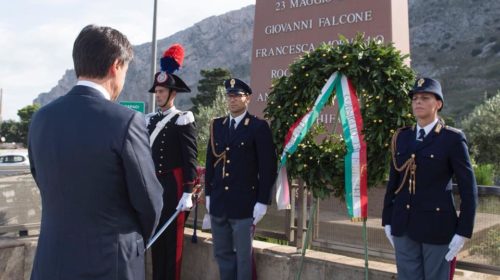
pixel 18 131
pixel 25 114
pixel 204 117
pixel 207 86
pixel 483 132
pixel 10 130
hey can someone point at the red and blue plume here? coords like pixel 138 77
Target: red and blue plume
pixel 172 59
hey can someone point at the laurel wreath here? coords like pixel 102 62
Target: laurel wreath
pixel 382 80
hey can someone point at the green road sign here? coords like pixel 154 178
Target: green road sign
pixel 134 105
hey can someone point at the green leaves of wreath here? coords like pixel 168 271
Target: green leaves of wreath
pixel 382 81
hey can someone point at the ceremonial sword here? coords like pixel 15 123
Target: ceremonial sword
pixel 162 229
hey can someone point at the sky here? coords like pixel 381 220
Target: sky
pixel 36 36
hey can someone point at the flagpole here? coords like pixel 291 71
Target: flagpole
pixel 153 56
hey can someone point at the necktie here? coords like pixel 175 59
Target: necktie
pixel 421 135
pixel 232 127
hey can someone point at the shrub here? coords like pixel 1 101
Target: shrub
pixel 489 247
pixel 484 174
pixel 483 132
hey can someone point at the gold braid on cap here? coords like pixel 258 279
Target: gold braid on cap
pixel 221 156
pixel 408 167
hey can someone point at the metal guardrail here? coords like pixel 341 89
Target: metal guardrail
pixel 335 239
pixel 21 230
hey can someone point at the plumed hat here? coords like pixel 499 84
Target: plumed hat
pixel 170 62
pixel 170 81
pixel 172 59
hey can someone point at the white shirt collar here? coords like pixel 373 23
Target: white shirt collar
pixel 238 119
pixel 167 111
pixel 95 86
pixel 428 127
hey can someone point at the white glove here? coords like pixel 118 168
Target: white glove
pixel 207 203
pixel 457 242
pixel 259 210
pixel 186 202
pixel 387 229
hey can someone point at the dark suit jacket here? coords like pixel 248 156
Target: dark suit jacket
pixel 100 197
pixel 429 215
pixel 247 173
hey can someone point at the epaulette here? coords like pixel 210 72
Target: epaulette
pixel 184 118
pixel 451 128
pixel 398 131
pixel 147 117
pixel 412 127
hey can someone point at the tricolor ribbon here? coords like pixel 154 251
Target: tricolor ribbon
pixel 355 161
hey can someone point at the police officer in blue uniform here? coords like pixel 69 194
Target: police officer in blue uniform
pixel 241 169
pixel 419 214
pixel 173 145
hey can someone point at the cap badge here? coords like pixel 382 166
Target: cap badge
pixel 162 77
pixel 420 82
pixel 232 83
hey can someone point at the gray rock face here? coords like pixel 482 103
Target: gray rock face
pixel 455 41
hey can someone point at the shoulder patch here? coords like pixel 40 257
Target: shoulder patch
pixel 185 118
pixel 453 129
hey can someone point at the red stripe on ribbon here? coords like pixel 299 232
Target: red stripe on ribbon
pixel 362 151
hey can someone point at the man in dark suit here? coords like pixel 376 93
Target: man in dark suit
pixel 419 213
pixel 173 143
pixel 240 172
pixel 91 160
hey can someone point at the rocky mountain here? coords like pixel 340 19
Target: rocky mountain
pixel 223 41
pixel 456 41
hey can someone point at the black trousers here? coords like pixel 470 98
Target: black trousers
pixel 167 249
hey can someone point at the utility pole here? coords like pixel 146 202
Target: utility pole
pixel 152 104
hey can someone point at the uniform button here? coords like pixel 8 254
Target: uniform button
pixel 159 171
pixel 242 143
pixel 437 209
pixel 226 188
pixel 161 150
pixel 407 206
pixel 227 149
pixel 161 164
pixel 161 157
pixel 162 142
pixel 253 187
pixel 227 174
pixel 163 134
pixel 228 161
pixel 413 155
pixel 432 156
